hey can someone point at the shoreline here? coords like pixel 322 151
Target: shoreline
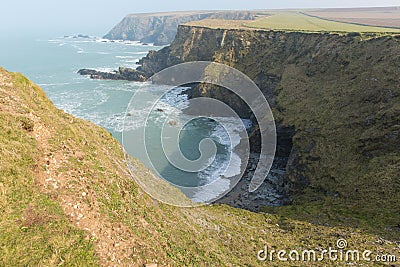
pixel 270 193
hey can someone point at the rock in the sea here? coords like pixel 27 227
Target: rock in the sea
pixel 87 72
pixel 127 74
pixel 132 74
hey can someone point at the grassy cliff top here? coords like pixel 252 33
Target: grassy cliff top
pixel 184 13
pixel 66 198
pixel 219 24
pixel 293 21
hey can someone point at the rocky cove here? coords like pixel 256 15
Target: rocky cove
pixel 81 155
pixel 273 191
pixel 335 99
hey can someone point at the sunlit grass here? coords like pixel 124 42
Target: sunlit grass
pixel 295 21
pixel 36 231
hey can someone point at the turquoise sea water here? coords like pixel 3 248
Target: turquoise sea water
pixel 53 63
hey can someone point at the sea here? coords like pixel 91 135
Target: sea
pixel 52 63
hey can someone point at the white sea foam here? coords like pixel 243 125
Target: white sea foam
pixel 102 40
pixel 89 104
pixel 209 193
pixel 124 57
pixel 125 42
pixel 53 84
pixel 226 165
pixel 176 99
pixel 140 53
pixel 104 69
pixel 217 177
pixel 137 53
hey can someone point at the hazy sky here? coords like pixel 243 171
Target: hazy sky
pixel 98 16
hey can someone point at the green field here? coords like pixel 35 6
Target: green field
pixel 295 21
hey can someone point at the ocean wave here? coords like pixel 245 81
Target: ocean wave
pixel 104 69
pixel 132 61
pixel 137 53
pixel 216 177
pixel 102 40
pixel 53 84
pixel 124 57
pixel 125 42
pixel 233 126
pixel 204 195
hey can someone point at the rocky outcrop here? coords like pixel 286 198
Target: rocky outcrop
pixel 161 28
pixel 335 97
pixel 122 73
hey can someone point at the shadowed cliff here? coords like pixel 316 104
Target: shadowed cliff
pixel 341 95
pixel 66 195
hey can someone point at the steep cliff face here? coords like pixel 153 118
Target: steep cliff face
pixel 161 28
pixel 67 198
pixel 340 94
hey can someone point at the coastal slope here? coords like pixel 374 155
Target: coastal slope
pixel 340 94
pixel 67 198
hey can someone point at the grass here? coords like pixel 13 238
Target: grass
pixel 384 16
pixel 341 93
pixel 295 21
pixel 218 23
pixel 34 230
pixel 292 21
pixel 49 159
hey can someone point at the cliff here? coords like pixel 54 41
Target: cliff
pixel 161 28
pixel 67 198
pixel 339 94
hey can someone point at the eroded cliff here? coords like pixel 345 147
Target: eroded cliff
pixel 340 93
pixel 161 28
pixel 67 198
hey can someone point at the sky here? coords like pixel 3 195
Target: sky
pixel 98 17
